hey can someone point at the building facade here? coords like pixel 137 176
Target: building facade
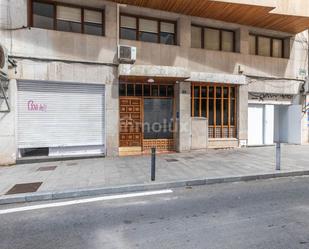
pixel 201 78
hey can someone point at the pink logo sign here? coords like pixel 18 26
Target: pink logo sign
pixel 36 107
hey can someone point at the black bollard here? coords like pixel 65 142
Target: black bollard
pixel 153 164
pixel 278 156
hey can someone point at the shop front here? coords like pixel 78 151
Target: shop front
pixel 60 119
pixel 217 103
pixel 147 116
pixel 269 111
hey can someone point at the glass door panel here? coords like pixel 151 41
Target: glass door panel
pixel 158 118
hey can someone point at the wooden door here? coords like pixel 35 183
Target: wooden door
pixel 130 122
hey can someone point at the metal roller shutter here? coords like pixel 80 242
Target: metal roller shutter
pixel 57 114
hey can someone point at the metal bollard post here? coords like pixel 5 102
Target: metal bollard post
pixel 153 164
pixel 278 156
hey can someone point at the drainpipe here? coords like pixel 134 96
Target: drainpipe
pixel 307 65
pixel 118 21
pixel 117 24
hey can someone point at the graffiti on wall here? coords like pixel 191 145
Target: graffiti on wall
pixel 36 107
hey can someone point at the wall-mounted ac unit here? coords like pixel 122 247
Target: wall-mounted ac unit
pixel 126 54
pixel 3 62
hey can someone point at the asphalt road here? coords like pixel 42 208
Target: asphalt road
pixel 261 214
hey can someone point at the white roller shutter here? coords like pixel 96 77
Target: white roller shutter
pixel 69 14
pixel 60 114
pixel 93 16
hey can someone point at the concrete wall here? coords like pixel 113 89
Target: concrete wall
pixel 242 115
pixel 274 86
pixel 59 56
pixel 287 124
pixel 7 128
pixel 199 133
pixel 201 60
pixel 42 43
pixel 183 109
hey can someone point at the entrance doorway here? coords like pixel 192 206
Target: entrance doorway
pixel 130 122
pixel 147 112
pixel 260 125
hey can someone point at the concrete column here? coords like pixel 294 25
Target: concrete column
pixel 183 107
pixel 112 116
pixel 8 147
pixel 242 41
pixel 184 32
pixel 111 20
pixel 112 87
pixel 243 114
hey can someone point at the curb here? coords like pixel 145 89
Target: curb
pixel 76 193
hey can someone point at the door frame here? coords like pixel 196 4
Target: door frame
pixel 143 97
pixel 141 114
pixel 263 122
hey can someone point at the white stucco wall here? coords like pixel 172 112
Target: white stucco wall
pixel 7 128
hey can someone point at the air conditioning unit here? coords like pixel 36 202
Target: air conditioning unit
pixel 126 54
pixel 3 62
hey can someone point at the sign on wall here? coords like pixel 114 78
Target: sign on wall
pixel 270 98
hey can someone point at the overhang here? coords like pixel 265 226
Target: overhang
pixel 217 78
pixel 128 72
pixel 144 72
pixel 272 86
pixel 255 14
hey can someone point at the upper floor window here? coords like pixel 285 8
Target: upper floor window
pixel 147 29
pixel 43 15
pixel 70 18
pixel 212 39
pixel 266 46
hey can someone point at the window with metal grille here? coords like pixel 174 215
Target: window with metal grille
pixel 217 103
pixel 146 90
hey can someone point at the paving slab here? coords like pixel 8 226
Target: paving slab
pixel 110 175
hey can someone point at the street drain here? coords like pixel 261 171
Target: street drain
pixel 47 168
pixel 24 188
pixel 171 160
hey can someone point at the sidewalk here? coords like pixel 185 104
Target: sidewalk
pixel 98 173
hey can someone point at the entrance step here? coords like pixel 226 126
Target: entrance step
pixel 130 151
